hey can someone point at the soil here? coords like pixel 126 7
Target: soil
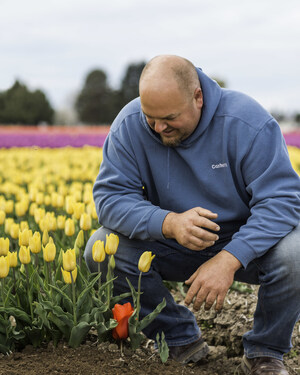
pixel 222 332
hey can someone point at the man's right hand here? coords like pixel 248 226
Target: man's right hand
pixel 188 228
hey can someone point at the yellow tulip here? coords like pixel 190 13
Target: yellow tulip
pixel 24 237
pixel 45 238
pixel 21 208
pixel 7 224
pixel 49 252
pixel 39 214
pixel 13 259
pixel 14 231
pixel 67 275
pixel 2 217
pixel 35 243
pixel 24 255
pixel 61 220
pixel 69 260
pixel 78 208
pixel 47 200
pixel 69 227
pixel 4 266
pixel 9 206
pixel 24 225
pixel 32 208
pixel 69 204
pixel 79 242
pixel 85 221
pixel 39 198
pixel 111 244
pixel 145 261
pixel 4 246
pixel 98 251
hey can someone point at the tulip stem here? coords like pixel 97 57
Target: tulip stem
pixel 36 260
pixel 138 303
pixel 74 300
pixel 2 291
pixel 28 291
pixel 99 280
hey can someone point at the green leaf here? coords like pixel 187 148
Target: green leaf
pixel 85 293
pixel 35 335
pixel 17 313
pixel 78 334
pixel 119 298
pixel 60 325
pixel 42 313
pixel 162 347
pixel 61 293
pixel 150 317
pixel 134 293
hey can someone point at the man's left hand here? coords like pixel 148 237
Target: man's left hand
pixel 212 280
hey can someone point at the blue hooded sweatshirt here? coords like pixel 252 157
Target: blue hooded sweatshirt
pixel 235 163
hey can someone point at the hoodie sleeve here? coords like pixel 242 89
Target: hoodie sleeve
pixel 274 188
pixel 118 193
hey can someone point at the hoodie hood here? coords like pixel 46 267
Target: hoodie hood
pixel 212 93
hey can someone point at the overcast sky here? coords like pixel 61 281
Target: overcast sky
pixel 254 45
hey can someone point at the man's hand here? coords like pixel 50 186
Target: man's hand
pixel 188 230
pixel 212 280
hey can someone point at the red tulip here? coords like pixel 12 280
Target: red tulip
pixel 121 314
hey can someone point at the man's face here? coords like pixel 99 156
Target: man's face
pixel 171 114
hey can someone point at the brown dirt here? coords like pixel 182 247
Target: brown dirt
pixel 223 333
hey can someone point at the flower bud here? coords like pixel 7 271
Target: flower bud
pixel 13 259
pixel 79 242
pixel 85 221
pixel 4 246
pixel 35 243
pixel 69 260
pixel 45 238
pixel 14 230
pixel 112 263
pixel 111 244
pixel 9 206
pixel 4 266
pixel 69 227
pixel 24 255
pixel 24 237
pixel 2 217
pixel 61 220
pixel 7 224
pixel 67 275
pixel 21 208
pixel 69 203
pixel 145 261
pixel 49 252
pixel 98 251
pixel 78 208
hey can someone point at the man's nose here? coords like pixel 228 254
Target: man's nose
pixel 160 126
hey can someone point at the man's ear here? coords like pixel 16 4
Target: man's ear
pixel 198 97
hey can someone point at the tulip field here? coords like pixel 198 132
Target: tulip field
pixel 47 214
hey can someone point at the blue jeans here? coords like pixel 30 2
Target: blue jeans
pixel 277 272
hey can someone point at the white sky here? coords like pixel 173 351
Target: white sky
pixel 254 45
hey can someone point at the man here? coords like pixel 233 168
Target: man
pixel 200 176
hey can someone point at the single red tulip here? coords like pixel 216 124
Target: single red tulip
pixel 121 314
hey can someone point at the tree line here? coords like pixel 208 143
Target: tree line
pixel 97 103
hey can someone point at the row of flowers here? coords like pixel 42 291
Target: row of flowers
pixel 47 215
pixel 75 136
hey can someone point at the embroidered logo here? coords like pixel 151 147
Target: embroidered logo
pixel 220 165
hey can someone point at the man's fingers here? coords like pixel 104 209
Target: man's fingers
pixel 204 234
pixel 203 222
pixel 206 213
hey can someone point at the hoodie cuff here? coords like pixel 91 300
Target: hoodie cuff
pixel 155 224
pixel 241 250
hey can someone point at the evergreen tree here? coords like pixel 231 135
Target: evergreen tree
pixel 18 105
pixel 96 101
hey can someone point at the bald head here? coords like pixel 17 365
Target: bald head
pixel 169 71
